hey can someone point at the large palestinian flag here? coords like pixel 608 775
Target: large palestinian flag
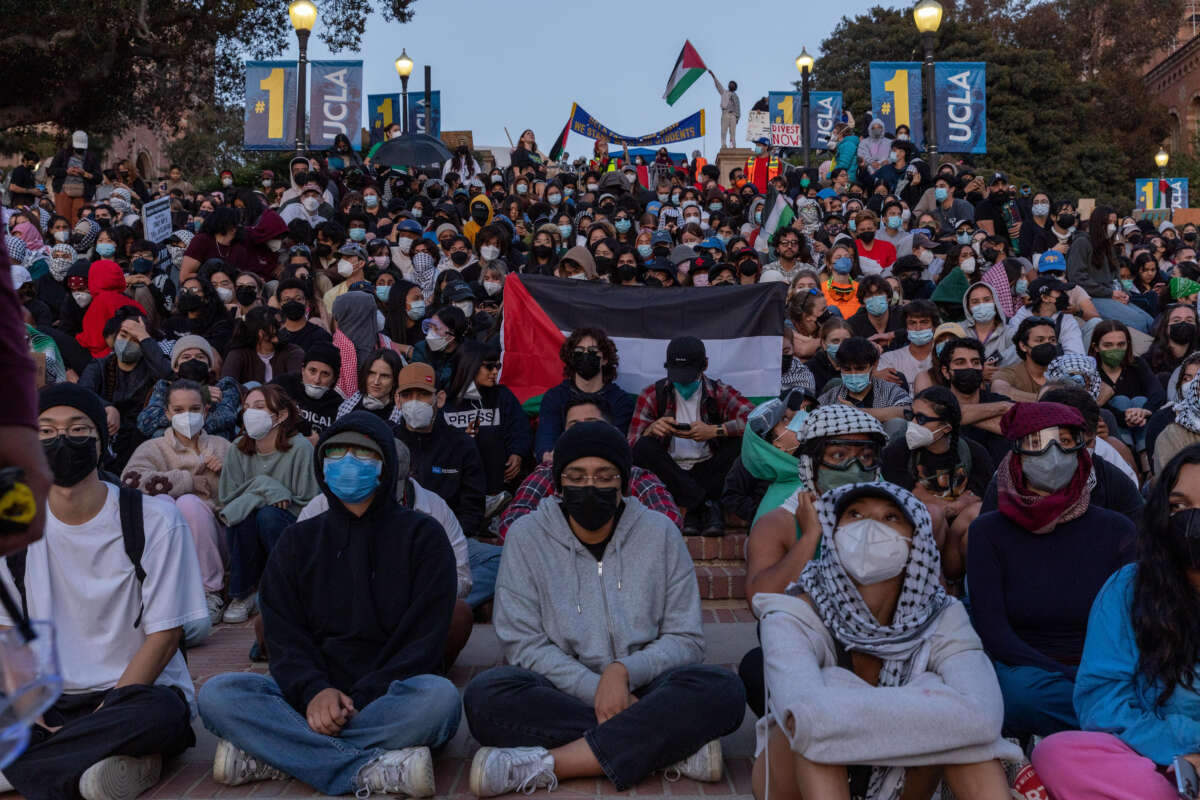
pixel 688 67
pixel 741 327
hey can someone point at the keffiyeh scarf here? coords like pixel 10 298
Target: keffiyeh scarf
pixel 1078 368
pixel 831 421
pixel 1187 410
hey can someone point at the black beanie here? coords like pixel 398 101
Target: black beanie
pixel 598 439
pixel 326 353
pixel 73 395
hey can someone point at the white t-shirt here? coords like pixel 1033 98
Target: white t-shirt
pixel 80 577
pixel 902 361
pixel 1109 453
pixel 433 505
pixel 688 452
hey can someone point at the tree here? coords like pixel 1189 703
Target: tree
pixel 105 65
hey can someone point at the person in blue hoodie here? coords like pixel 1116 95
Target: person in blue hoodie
pixel 357 603
pixel 1136 692
pixel 599 619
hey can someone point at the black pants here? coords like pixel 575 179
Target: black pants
pixel 136 720
pixel 676 714
pixel 689 488
pixel 751 673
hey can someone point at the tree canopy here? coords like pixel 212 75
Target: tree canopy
pixel 1067 110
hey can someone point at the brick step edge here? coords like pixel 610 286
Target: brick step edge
pixel 721 582
pixel 730 547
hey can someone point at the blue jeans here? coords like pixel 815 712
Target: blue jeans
pixel 485 564
pixel 1036 702
pixel 250 711
pixel 676 714
pixel 1134 437
pixel 1131 315
pixel 250 542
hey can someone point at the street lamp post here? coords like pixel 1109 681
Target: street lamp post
pixel 404 68
pixel 804 63
pixel 304 15
pixel 928 16
pixel 1161 158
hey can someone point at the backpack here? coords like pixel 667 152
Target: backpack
pixel 133 531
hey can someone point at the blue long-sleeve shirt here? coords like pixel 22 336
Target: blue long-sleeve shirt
pixel 1031 593
pixel 552 416
pixel 1110 695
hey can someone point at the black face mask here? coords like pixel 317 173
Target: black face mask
pixel 1182 332
pixel 1044 353
pixel 1187 237
pixel 652 281
pixel 626 273
pixel 604 264
pixel 189 302
pixel 967 380
pixel 662 251
pixel 479 213
pixel 748 268
pixel 460 258
pixel 787 362
pixel 1066 220
pixel 867 236
pixel 911 287
pixel 590 506
pixel 586 365
pixel 71 459
pixel 989 254
pixel 543 250
pixel 194 370
pixel 246 294
pixel 434 192
pixel 323 251
pixel 293 310
pixel 1185 527
pixel 608 209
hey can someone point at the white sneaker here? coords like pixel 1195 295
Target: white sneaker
pixel 495 503
pixel 501 770
pixel 216 606
pixel 407 772
pixel 238 611
pixel 233 766
pixel 705 765
pixel 120 777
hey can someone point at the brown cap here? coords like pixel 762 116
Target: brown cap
pixel 416 375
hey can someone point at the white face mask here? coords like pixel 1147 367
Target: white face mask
pixel 82 298
pixel 345 268
pixel 870 551
pixel 435 342
pixel 188 424
pixel 1111 229
pixel 225 293
pixel 405 244
pixel 315 392
pixel 917 436
pixel 62 236
pixel 492 287
pixel 489 252
pixel 578 276
pixel 257 422
pixel 227 182
pixel 373 403
pixel 274 245
pixel 267 183
pixel 395 135
pixel 926 257
pixel 380 320
pixel 417 413
pixel 467 308
pixel 310 204
pixel 967 265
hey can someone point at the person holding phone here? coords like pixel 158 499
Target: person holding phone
pixel 1135 691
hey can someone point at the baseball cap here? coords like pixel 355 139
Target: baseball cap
pixel 409 226
pixel 353 249
pixel 417 375
pixel 826 193
pixel 685 359
pixel 950 327
pixel 661 237
pixel 682 253
pixel 1052 261
pixel 998 177
pixel 713 243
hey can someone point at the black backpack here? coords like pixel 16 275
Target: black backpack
pixel 133 530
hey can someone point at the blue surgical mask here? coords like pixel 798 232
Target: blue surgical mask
pixel 843 266
pixel 852 224
pixel 877 305
pixel 984 312
pixel 1041 209
pixel 382 292
pixel 106 249
pixel 675 199
pixel 1127 284
pixel 715 206
pixel 358 234
pixel 831 350
pixel 554 199
pixel 963 238
pixel 798 421
pixel 663 197
pixel 940 346
pixel 522 188
pixel 940 193
pixel 1022 285
pixel 856 381
pixel 645 250
pixel 622 225
pixel 921 337
pixel 686 390
pixel 894 223
pixel 564 230
pixel 893 157
pixel 351 478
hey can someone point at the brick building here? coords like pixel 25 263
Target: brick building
pixel 1174 80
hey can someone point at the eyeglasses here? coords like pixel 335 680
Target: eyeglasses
pixel 920 418
pixel 840 452
pixel 1038 442
pixel 358 451
pixel 604 478
pixel 490 365
pixel 79 430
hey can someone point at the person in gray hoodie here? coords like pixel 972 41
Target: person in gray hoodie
pixel 875 678
pixel 605 675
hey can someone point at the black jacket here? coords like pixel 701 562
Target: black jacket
pixel 446 462
pixel 315 415
pixel 501 429
pixel 742 492
pixel 355 603
pixel 1113 491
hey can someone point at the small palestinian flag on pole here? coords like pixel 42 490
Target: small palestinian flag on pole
pixel 778 210
pixel 560 143
pixel 741 326
pixel 688 67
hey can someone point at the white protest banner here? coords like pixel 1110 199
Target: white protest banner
pixel 156 220
pixel 758 125
pixel 787 135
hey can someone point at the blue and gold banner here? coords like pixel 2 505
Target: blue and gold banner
pixel 335 103
pixel 585 124
pixel 896 97
pixel 824 111
pixel 960 94
pixel 270 113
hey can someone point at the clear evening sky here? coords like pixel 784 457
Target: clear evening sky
pixel 521 63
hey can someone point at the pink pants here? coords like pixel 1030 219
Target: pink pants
pixel 1080 765
pixel 209 536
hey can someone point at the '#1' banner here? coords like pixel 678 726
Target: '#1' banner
pixel 335 103
pixel 270 113
pixel 896 97
pixel 960 93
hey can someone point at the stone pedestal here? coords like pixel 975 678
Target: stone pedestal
pixel 727 159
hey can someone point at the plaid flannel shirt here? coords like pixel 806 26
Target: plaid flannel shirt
pixel 540 484
pixel 734 409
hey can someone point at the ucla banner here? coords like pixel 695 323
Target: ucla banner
pixel 421 122
pixel 335 102
pixel 585 124
pixel 824 111
pixel 960 92
pixel 896 97
pixel 270 112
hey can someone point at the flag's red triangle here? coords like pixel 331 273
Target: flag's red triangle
pixel 531 344
pixel 690 58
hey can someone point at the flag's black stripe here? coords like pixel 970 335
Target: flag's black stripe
pixel 709 312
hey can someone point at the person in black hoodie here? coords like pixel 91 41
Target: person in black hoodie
pixel 357 604
pixel 312 388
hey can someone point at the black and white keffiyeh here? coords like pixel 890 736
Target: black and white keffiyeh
pixel 1078 368
pixel 827 421
pixel 1187 410
pixel 903 645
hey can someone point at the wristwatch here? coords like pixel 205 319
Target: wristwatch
pixel 721 430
